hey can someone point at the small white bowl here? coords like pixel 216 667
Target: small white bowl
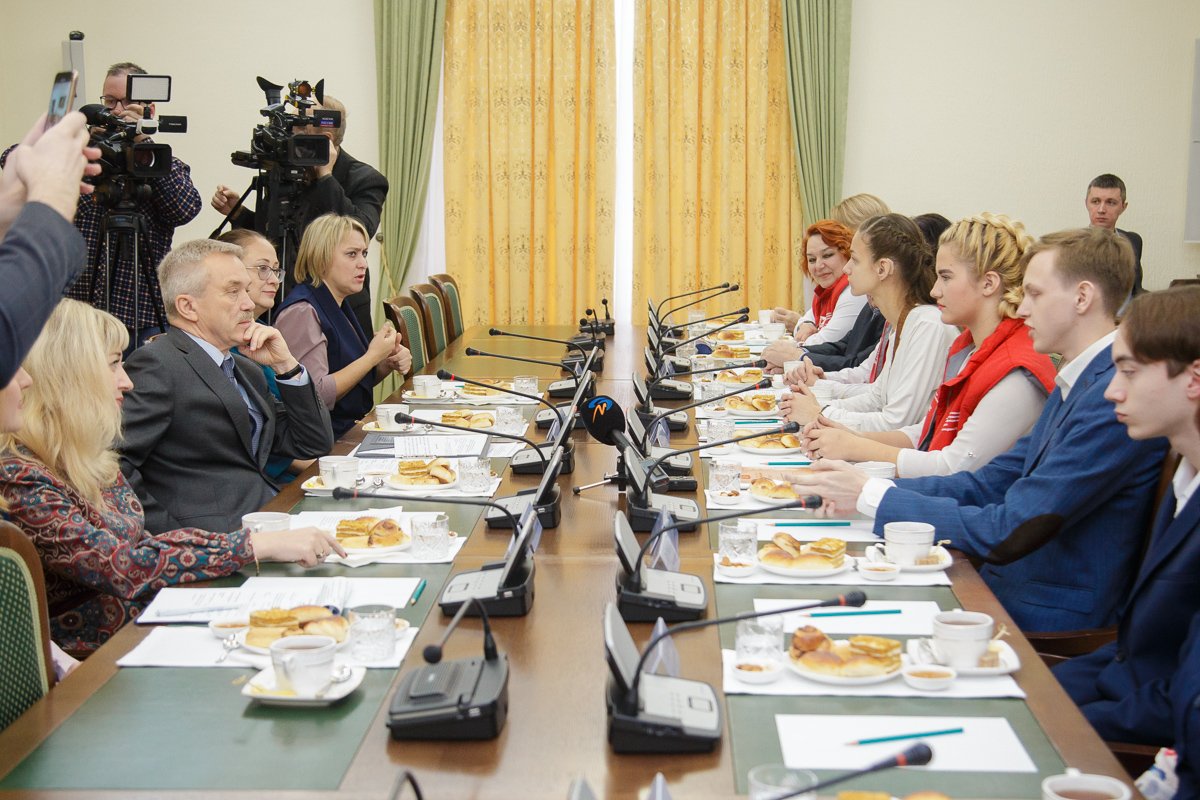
pixel 878 570
pixel 768 673
pixel 224 628
pixel 929 677
pixel 736 572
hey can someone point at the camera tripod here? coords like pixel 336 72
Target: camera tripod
pixel 123 229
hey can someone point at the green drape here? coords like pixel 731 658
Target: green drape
pixel 816 34
pixel 408 64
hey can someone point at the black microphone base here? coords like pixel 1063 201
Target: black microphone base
pixel 691 722
pixel 675 422
pixel 671 390
pixel 545 418
pixel 514 600
pixel 586 341
pixel 566 387
pixel 639 607
pixel 549 513
pixel 526 462
pixel 452 700
pixel 642 518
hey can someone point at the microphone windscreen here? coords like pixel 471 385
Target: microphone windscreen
pixel 432 653
pixel 744 318
pixel 790 427
pixel 916 756
pixel 342 493
pixel 445 375
pixel 734 287
pixel 495 332
pixel 602 417
pixel 404 419
pixel 589 311
pixel 471 351
pixel 762 362
pixel 95 113
pixel 743 310
pixel 765 383
pixel 854 599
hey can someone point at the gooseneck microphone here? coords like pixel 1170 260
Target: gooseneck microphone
pixel 433 652
pixel 732 288
pixel 446 375
pixel 742 310
pixel 607 314
pixel 568 343
pixel 471 351
pixel 787 427
pixel 658 309
pixel 409 419
pixel 677 345
pixel 765 383
pixel 633 581
pixel 918 755
pixel 849 599
pixel 349 494
pixel 760 363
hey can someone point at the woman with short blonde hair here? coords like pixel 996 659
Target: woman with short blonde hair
pixel 60 476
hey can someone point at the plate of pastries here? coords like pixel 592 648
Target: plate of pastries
pixel 752 405
pixel 374 535
pixel 732 352
pixel 490 390
pixel 420 476
pixel 729 335
pixel 474 420
pixel 271 624
pixel 772 492
pixel 773 444
pixel 788 556
pixel 857 661
pixel 738 378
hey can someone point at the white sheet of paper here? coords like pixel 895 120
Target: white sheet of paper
pixel 915 619
pixel 267 592
pixel 818 741
pixel 451 444
pixel 851 577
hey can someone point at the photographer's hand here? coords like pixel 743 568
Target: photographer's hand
pixel 224 199
pixel 326 168
pixel 51 164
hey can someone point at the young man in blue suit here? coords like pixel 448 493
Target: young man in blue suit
pixel 1124 687
pixel 1058 519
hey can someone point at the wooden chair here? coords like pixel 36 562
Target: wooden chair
pixel 454 316
pixel 433 309
pixel 405 316
pixel 26 670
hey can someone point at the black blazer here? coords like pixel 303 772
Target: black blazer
pixel 852 349
pixel 187 449
pixel 1136 241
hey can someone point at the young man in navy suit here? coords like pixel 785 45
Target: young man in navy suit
pixel 1124 687
pixel 1059 518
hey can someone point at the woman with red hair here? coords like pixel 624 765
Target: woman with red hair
pixel 834 309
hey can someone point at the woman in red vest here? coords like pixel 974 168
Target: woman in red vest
pixel 995 384
pixel 834 308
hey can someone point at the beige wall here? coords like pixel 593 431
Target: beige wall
pixel 960 106
pixel 213 50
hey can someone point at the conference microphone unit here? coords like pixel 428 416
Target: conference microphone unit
pixel 760 363
pixel 609 325
pixel 765 383
pixel 559 388
pixel 462 699
pixel 541 460
pixel 918 755
pixel 660 318
pixel 666 389
pixel 504 588
pixel 597 330
pixel 570 360
pixel 679 330
pixel 644 593
pixel 675 464
pixel 741 319
pixel 660 714
pixel 544 418
pixel 657 342
pixel 676 420
pixel 692 293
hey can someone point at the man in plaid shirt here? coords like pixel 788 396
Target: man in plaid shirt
pixel 172 201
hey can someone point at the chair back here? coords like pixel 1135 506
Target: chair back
pixel 433 309
pixel 405 316
pixel 26 671
pixel 454 317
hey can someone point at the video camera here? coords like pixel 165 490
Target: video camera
pixel 120 154
pixel 275 144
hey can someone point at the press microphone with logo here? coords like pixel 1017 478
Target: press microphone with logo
pixel 466 698
pixel 661 714
pixel 765 383
pixel 659 307
pixel 918 755
pixel 550 413
pixel 662 317
pixel 559 388
pixel 409 419
pixel 648 593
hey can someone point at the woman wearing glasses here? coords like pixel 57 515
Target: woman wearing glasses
pixel 322 330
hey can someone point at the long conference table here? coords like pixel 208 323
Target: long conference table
pixel 108 732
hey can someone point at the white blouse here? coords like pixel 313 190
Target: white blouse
pixel 845 313
pixel 901 393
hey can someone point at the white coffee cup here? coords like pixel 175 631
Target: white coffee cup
pixel 877 469
pixel 426 386
pixel 339 471
pixel 764 316
pixel 260 521
pixel 906 542
pixel 772 330
pixel 385 416
pixel 788 366
pixel 303 664
pixel 960 638
pixel 1074 783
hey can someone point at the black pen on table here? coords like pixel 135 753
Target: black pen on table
pixel 417 594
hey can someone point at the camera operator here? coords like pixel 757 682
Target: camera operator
pixel 40 253
pixel 172 201
pixel 344 186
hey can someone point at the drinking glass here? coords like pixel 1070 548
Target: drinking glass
pixel 760 641
pixel 737 541
pixel 768 781
pixel 509 419
pixel 724 477
pixel 431 537
pixel 372 632
pixel 474 474
pixel 526 384
pixel 721 429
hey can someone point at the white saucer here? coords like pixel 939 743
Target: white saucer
pixel 788 572
pixel 778 451
pixel 756 414
pixel 1010 662
pixel 315 486
pixel 415 489
pixel 875 553
pixel 441 397
pixel 261 688
pixel 373 427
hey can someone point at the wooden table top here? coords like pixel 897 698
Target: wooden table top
pixel 556 726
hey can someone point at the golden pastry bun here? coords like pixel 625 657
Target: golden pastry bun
pixel 272 618
pixel 305 614
pixel 355 542
pixel 763 402
pixel 822 662
pixel 731 336
pixel 336 627
pixel 789 543
pixel 355 526
pixel 807 639
pixel 387 533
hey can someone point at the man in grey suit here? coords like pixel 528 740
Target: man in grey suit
pixel 201 422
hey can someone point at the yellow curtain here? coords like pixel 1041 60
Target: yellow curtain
pixel 528 115
pixel 716 197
